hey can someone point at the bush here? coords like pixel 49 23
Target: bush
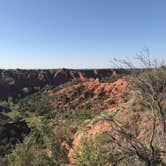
pixel 33 151
pixel 36 104
pixel 112 101
pixel 92 153
pixel 111 79
pixel 23 155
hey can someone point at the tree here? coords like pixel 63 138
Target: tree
pixel 149 85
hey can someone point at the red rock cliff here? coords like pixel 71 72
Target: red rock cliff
pixel 11 81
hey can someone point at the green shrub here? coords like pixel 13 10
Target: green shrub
pixel 33 151
pixel 36 104
pixel 111 79
pixel 92 153
pixel 88 94
pixel 112 101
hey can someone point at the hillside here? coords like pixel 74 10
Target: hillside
pixel 86 95
pixel 61 93
pixel 89 119
pixel 13 81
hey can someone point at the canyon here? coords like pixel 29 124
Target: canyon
pixel 12 81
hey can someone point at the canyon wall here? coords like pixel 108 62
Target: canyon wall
pixel 11 81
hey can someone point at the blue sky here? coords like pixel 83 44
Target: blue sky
pixel 79 33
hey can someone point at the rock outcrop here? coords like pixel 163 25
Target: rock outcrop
pixel 12 81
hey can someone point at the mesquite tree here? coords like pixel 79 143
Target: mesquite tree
pixel 149 84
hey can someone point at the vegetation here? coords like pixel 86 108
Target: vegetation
pixel 11 134
pixel 111 79
pixel 45 144
pixel 149 88
pixel 92 152
pixel 38 126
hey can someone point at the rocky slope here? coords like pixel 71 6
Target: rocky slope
pixel 112 122
pixel 90 94
pixel 12 81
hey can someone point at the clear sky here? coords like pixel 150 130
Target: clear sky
pixel 79 33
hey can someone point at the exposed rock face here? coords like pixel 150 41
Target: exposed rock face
pixel 138 125
pixel 91 94
pixel 11 81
